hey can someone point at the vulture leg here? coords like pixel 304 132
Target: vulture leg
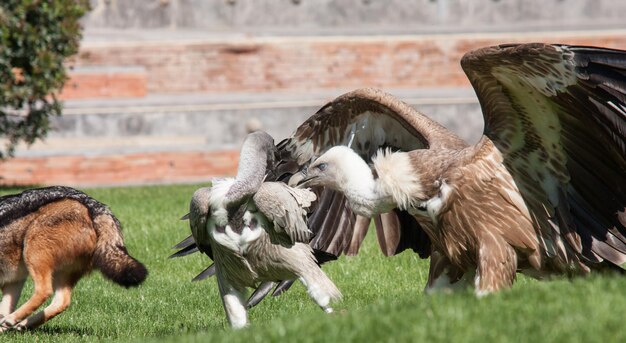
pixel 234 303
pixel 443 276
pixel 497 265
pixel 320 288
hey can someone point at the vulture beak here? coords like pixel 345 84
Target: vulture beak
pixel 295 179
pixel 306 181
pixel 302 179
pixel 276 154
pixel 185 217
pixel 273 159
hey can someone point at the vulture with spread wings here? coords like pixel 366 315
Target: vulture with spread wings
pixel 543 192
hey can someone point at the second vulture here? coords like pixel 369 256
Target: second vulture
pixel 543 192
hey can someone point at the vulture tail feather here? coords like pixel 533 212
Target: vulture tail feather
pixel 260 293
pixel 282 287
pixel 208 272
pixel 185 251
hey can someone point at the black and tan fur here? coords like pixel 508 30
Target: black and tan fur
pixel 56 235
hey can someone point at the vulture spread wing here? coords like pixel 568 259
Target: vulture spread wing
pixel 365 120
pixel 199 241
pixel 286 208
pixel 198 213
pixel 558 115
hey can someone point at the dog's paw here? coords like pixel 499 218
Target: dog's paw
pixel 19 327
pixel 6 323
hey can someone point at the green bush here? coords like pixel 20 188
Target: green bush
pixel 35 38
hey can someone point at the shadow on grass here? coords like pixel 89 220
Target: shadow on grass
pixel 53 332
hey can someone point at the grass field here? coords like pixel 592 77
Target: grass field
pixel 383 298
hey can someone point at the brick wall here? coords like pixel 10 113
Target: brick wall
pixel 260 64
pixel 305 63
pixel 104 83
pixel 159 167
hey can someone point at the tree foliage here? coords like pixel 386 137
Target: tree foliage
pixel 35 38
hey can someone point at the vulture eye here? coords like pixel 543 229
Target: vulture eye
pixel 322 166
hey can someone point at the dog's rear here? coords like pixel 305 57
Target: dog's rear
pixel 111 257
pixel 57 243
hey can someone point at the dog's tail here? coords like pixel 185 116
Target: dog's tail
pixel 111 256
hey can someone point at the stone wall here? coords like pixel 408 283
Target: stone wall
pixel 356 16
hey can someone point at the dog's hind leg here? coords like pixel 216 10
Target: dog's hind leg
pixel 63 286
pixel 42 279
pixel 10 295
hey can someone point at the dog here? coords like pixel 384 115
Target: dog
pixel 56 235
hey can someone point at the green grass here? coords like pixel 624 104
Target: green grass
pixel 383 298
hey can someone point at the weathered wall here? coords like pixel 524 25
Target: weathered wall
pixel 162 144
pixel 301 64
pixel 356 16
pixel 177 81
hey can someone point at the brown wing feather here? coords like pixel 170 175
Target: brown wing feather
pixel 286 208
pixel 368 119
pixel 398 230
pixel 402 127
pixel 387 232
pixel 361 226
pixel 558 115
pixel 332 223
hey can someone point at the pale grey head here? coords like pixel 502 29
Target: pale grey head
pixel 334 169
pixel 342 169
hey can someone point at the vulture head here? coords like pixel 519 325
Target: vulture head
pixel 342 169
pixel 338 168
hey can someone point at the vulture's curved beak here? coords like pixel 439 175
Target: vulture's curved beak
pixel 273 160
pixel 306 182
pixel 302 179
pixel 273 157
pixel 295 179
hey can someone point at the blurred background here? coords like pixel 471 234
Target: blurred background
pixel 163 91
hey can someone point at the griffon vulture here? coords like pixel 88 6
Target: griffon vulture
pixel 543 192
pixel 256 231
